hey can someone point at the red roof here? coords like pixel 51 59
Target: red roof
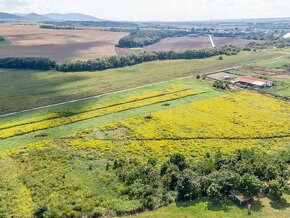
pixel 250 79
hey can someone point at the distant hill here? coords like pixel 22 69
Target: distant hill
pixel 71 17
pixel 35 16
pixel 9 16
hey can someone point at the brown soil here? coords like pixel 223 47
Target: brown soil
pixel 59 45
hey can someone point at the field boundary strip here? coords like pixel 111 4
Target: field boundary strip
pixel 56 115
pixel 132 89
pixel 69 120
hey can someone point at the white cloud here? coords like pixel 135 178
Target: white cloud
pixel 155 9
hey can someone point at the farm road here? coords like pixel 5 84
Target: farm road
pixel 211 40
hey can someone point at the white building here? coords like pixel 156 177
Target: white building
pixel 287 36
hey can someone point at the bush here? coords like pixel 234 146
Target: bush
pixel 221 85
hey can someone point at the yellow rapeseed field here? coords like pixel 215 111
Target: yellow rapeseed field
pixel 243 115
pixel 227 123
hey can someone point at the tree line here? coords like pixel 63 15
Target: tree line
pixel 251 172
pixel 54 27
pixel 133 59
pixel 34 63
pixel 98 64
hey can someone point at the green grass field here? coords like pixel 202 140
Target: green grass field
pixel 206 209
pixel 22 89
pixel 276 63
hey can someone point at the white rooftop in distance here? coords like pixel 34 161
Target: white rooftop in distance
pixel 286 36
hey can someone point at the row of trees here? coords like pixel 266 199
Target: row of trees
pixel 122 61
pixel 28 63
pixel 249 34
pixel 111 62
pixel 2 39
pixel 141 38
pixel 249 171
pixel 54 27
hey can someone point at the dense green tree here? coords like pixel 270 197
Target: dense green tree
pixel 275 189
pixel 251 185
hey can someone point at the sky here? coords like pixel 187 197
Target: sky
pixel 155 10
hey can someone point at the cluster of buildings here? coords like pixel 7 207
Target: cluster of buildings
pixel 249 81
pixel 253 81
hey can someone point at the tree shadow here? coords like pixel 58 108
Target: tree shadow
pixel 257 206
pixel 280 204
pixel 223 205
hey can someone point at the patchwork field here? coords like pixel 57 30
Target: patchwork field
pixel 58 160
pixel 185 43
pixel 23 89
pixel 60 45
pixel 187 118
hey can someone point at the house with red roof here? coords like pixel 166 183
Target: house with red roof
pixel 253 81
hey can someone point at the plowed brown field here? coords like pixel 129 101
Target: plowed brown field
pixel 59 45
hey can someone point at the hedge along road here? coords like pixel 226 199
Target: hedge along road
pixel 126 90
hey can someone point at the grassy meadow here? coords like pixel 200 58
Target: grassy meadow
pixel 207 209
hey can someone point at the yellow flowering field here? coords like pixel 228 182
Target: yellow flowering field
pixel 242 115
pixel 49 121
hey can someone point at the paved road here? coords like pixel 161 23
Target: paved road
pixel 126 90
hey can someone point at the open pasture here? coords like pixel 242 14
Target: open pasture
pixel 60 45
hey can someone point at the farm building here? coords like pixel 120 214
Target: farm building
pixel 239 198
pixel 287 36
pixel 253 81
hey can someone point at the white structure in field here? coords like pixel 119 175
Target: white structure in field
pixel 287 36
